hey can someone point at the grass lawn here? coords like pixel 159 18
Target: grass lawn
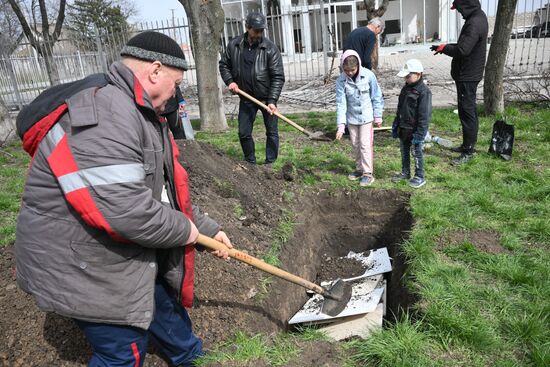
pixel 476 307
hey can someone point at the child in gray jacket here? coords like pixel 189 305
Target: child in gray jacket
pixel 414 112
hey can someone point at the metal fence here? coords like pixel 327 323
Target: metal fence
pixel 309 36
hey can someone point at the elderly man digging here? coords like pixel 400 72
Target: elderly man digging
pixel 106 229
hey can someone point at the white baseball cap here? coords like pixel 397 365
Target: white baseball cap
pixel 411 66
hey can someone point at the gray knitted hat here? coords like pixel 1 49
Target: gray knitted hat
pixel 153 46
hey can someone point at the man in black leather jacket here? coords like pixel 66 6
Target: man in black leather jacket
pixel 469 55
pixel 253 64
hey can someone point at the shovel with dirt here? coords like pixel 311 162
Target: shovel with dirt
pixel 318 135
pixel 335 299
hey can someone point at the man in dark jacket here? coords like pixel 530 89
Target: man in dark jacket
pixel 469 55
pixel 106 228
pixel 253 64
pixel 363 39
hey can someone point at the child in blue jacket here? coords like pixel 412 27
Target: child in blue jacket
pixel 414 112
pixel 359 104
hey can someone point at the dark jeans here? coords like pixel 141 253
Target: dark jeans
pixel 122 345
pixel 405 143
pixel 467 112
pixel 247 115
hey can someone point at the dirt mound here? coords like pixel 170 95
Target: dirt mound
pixel 250 202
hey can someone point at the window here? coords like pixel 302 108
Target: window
pixel 392 27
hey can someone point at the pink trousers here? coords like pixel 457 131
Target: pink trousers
pixel 361 137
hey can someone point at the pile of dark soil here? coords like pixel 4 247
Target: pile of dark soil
pixel 249 201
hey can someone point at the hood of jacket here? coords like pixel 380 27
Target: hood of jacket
pixel 467 7
pixel 347 54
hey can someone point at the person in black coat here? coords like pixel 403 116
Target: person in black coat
pixel 363 39
pixel 171 112
pixel 253 64
pixel 469 56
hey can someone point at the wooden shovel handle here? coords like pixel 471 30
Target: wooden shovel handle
pixel 276 113
pixel 259 264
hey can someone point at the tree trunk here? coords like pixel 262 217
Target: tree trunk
pixel 374 54
pixel 493 89
pixel 51 67
pixel 45 45
pixel 206 21
pixel 374 12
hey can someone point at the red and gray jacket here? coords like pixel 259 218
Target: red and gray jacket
pixel 94 234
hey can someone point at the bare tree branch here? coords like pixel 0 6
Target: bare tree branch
pixel 59 21
pixel 24 24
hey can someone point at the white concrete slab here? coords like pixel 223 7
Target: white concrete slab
pixel 376 262
pixel 359 325
pixel 363 299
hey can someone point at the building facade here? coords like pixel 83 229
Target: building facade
pixel 295 25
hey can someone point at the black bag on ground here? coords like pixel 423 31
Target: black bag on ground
pixel 502 140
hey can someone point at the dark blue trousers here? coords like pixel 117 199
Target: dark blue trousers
pixel 405 140
pixel 126 346
pixel 247 115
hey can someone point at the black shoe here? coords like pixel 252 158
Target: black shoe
pixel 417 182
pixel 459 149
pixel 464 157
pixel 400 177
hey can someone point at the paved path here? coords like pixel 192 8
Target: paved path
pixel 307 92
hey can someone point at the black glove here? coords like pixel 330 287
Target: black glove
pixel 394 133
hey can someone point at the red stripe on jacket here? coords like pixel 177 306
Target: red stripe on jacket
pixel 62 162
pixel 181 179
pixel 38 131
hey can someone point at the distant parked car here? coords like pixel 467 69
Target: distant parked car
pixel 541 30
pixel 522 32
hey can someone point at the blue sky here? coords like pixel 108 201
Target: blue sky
pixel 156 10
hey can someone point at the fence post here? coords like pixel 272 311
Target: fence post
pixel 324 36
pixel 80 63
pixel 14 82
pixel 100 50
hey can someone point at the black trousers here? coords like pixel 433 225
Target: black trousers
pixel 247 115
pixel 467 112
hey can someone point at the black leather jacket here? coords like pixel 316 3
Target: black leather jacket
pixel 414 109
pixel 268 73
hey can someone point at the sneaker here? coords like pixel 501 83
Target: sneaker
pixel 417 182
pixel 355 175
pixel 366 180
pixel 400 177
pixel 458 149
pixel 464 157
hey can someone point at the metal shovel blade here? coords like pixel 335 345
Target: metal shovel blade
pixel 336 298
pixel 318 135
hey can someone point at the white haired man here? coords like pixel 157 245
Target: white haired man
pixel 363 39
